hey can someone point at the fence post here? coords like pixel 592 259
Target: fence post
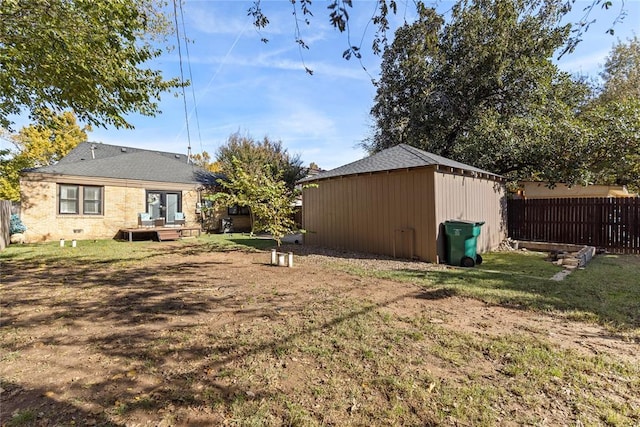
pixel 5 219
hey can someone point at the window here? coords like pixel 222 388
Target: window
pixel 69 199
pixel 79 200
pixel 238 210
pixel 92 200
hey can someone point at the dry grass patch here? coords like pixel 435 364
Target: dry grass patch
pixel 191 335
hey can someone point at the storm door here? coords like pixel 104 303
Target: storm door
pixel 164 205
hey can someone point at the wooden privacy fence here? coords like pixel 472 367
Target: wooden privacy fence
pixel 608 223
pixel 5 217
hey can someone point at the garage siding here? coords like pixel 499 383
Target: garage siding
pixel 475 199
pixel 379 213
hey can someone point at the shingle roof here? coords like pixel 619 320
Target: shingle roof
pixel 111 161
pixel 398 157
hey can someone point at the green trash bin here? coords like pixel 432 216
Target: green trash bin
pixel 462 242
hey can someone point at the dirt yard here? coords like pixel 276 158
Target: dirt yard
pixel 199 338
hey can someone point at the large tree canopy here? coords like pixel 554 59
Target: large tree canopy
pixel 613 120
pixel 82 55
pixel 481 88
pixel 612 152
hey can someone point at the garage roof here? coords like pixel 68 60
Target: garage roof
pixel 401 156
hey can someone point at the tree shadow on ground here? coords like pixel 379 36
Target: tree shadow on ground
pixel 604 289
pixel 145 342
pixel 37 406
pixel 610 300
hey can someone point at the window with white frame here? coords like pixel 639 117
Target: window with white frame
pixel 79 199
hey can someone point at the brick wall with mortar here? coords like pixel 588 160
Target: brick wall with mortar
pixel 121 205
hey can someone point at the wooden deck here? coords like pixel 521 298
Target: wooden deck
pixel 161 233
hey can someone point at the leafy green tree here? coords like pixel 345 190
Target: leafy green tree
pixel 82 55
pixel 270 201
pixel 613 150
pixel 40 144
pixel 50 138
pixel 621 73
pixel 10 168
pixel 260 157
pixel 612 120
pixel 481 89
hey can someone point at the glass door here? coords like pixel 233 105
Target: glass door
pixel 172 206
pixel 154 204
pixel 164 205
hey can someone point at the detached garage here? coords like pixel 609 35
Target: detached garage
pixel 396 201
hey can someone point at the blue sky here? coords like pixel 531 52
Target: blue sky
pixel 243 85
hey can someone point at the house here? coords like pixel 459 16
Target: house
pixel 540 190
pixel 396 201
pixel 99 189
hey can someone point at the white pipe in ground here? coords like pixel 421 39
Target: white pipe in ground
pixel 281 260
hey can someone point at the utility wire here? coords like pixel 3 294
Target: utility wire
pixel 184 96
pixel 193 90
pixel 222 63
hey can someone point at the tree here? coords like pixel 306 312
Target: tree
pixel 40 144
pixel 258 158
pixel 613 151
pixel 339 11
pixel 613 120
pixel 50 138
pixel 482 89
pixel 82 55
pixel 88 55
pixel 10 168
pixel 269 199
pixel 204 161
pixel 621 73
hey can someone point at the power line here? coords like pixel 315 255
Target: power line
pixel 184 96
pixel 193 90
pixel 194 109
pixel 217 71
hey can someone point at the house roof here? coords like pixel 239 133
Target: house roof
pixel 541 190
pixel 401 156
pixel 92 159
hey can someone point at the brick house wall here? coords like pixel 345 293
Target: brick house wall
pixel 122 201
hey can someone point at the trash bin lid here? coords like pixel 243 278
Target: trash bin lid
pixel 464 221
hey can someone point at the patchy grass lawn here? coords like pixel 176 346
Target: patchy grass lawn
pixel 205 332
pixel 607 292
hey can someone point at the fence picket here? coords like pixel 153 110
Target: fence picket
pixel 608 223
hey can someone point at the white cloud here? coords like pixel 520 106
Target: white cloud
pixel 209 18
pixel 590 64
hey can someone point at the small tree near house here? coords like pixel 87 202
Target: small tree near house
pixel 269 199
